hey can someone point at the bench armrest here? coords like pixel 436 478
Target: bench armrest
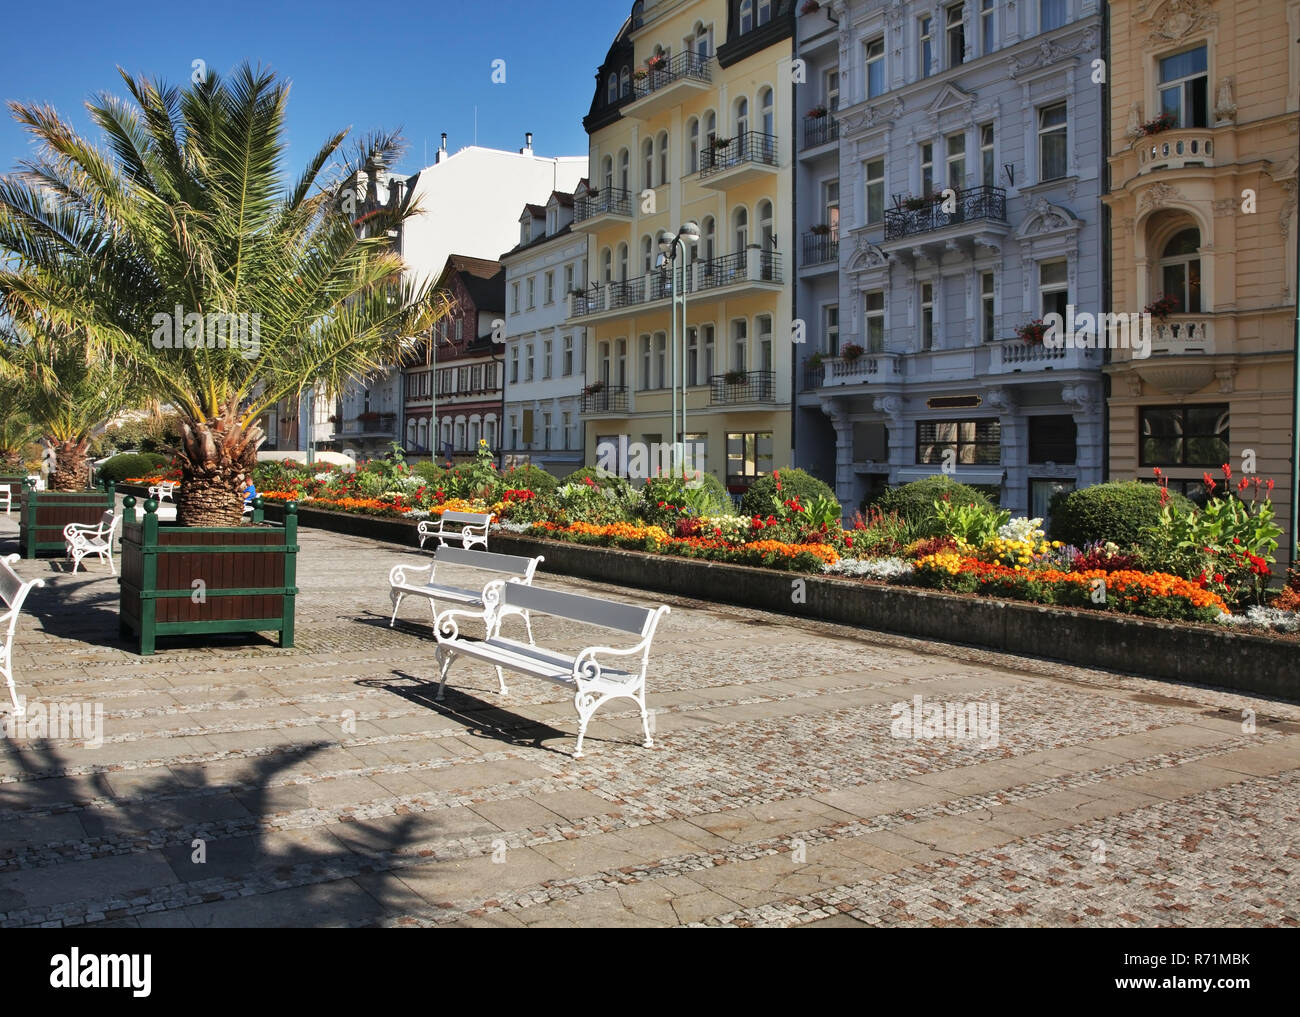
pixel 397 575
pixel 586 667
pixel 74 530
pixel 446 629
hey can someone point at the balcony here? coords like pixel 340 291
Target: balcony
pixel 369 424
pixel 820 249
pixel 974 204
pixel 742 387
pixel 612 204
pixel 605 399
pixel 1175 149
pixel 745 157
pixel 751 270
pixel 1191 334
pixel 864 369
pixel 1013 356
pixel 685 75
pixel 818 131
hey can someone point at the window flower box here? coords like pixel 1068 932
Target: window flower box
pixel 810 7
pixel 1032 332
pixel 821 230
pixel 594 387
pixel 817 112
pixel 734 377
pixel 1164 122
pixel 850 352
pixel 1162 308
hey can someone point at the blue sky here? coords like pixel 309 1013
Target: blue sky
pixel 366 65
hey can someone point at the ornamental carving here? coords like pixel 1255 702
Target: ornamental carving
pixel 1157 196
pixel 1225 110
pixel 1180 18
pixel 890 405
pixel 1051 52
pixel 1224 207
pixel 1082 395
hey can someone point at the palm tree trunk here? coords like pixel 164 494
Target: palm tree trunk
pixel 216 458
pixel 69 466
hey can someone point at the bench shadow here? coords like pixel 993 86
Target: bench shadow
pixel 56 825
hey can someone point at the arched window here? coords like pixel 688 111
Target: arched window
pixel 708 239
pixel 692 145
pixel 602 354
pixel 647 253
pixel 607 265
pixel 622 262
pixel 460 434
pixel 621 349
pixel 647 163
pixel 702 41
pixel 764 12
pixel 607 172
pixel 411 433
pixel 422 440
pixel 624 173
pixel 625 82
pixel 710 126
pixel 1180 270
pixel 663 157
pixel 765 227
pixel 740 227
pixel 611 89
pixel 742 115
pixel 765 108
pixel 746 15
pixel 473 433
pixel 490 431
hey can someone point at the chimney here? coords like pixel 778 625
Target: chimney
pixel 442 150
pixel 528 144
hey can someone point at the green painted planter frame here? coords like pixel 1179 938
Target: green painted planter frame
pixel 43 515
pixel 247 573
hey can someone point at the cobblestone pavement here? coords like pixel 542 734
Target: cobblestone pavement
pixel 243 784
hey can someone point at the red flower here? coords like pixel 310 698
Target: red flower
pixel 848 541
pixel 1244 483
pixel 776 475
pixel 1236 540
pixel 1218 577
pixel 1227 472
pixel 1156 471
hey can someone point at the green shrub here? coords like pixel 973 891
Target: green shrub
pixel 914 502
pixel 763 499
pixel 601 478
pixel 531 477
pixel 1118 511
pixel 679 497
pixel 132 464
pixel 431 473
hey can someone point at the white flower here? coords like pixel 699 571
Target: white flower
pixel 510 527
pixel 418 514
pixel 1021 529
pixel 1271 618
pixel 871 568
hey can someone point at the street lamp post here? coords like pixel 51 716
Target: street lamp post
pixel 669 245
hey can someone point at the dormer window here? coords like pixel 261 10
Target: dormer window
pixel 764 12
pixel 746 16
pixel 625 82
pixel 525 231
pixel 611 92
pixel 551 217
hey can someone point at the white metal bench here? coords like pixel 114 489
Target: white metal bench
pixel 473 532
pixel 84 539
pixel 7 496
pixel 507 568
pixel 592 681
pixel 163 490
pixel 13 591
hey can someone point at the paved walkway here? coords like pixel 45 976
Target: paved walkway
pixel 249 785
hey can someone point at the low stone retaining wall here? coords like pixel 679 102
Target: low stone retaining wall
pixel 1123 643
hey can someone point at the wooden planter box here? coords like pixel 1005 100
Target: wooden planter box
pixel 189 580
pixel 44 514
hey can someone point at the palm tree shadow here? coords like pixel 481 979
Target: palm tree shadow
pixel 218 840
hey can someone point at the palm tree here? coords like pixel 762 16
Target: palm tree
pixel 16 430
pixel 186 256
pixel 64 389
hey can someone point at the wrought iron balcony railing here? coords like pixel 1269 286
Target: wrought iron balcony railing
pixel 742 387
pixel 683 65
pixel 606 399
pixel 611 200
pixel 973 204
pixel 819 248
pixel 820 130
pixel 748 147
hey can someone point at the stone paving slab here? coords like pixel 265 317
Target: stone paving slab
pixel 243 785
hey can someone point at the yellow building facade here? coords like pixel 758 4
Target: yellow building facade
pixel 692 122
pixel 1204 114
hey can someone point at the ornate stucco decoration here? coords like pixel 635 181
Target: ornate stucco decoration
pixel 1286 175
pixel 867 256
pixel 890 405
pixel 1044 217
pixel 1157 196
pixel 1224 207
pixel 1049 52
pixel 999 399
pixel 1225 110
pixel 1083 396
pixel 874 116
pixel 1179 18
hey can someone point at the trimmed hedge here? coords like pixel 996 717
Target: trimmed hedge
pixel 132 464
pixel 532 477
pixel 1117 511
pixel 763 499
pixel 914 502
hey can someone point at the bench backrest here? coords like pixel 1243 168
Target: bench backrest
pixel 574 606
pixel 10 583
pixel 511 564
pixel 13 591
pixel 476 518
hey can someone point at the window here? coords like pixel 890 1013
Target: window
pixel 490 432
pixel 661 360
pixel 663 157
pixel 1180 270
pixel 766 112
pixel 703 41
pixel 740 227
pixel 927 46
pixel 956 36
pixel 1051 14
pixel 607 172
pixel 749 456
pixel 830 206
pixel 566 424
pixel 602 352
pixel 710 360
pixel 607 265
pixel 460 327
pixel 1052 439
pixel 764 12
pixel 625 82
pixel 763 326
pixel 739 343
pixel 693 145
pixel 927 316
pixel 1053 287
pixel 490 377
pixel 476 378
pixel 1051 142
pixel 568 356
pixel 874 175
pixel 514 297
pixel 742 120
pixel 568 279
pixel 551 219
pixel 831 85
pixel 622 262
pixel 460 435
pixel 647 163
pixel 707 238
pixel 645 363
pixel 746 15
pixel 546 358
pixel 549 288
pixel 691 374
pixel 546 431
pixel 987 297
pixel 624 169
pixel 973 442
pixel 514 365
pixel 611 92
pixel 647 253
pixel 532 294
pixel 831 329
pixel 988 171
pixel 697 447
pixel 875 68
pixel 956 161
pixel 622 363
pixel 1184 88
pixel 528 362
pixel 927 169
pixel 987 42
pixel 473 432
pixel 874 318
pixel 1185 435
pixel 1041 493
pixel 766 235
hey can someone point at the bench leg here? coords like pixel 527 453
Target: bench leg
pixel 445 657
pixel 649 742
pixel 397 602
pixel 528 624
pixel 501 680
pixel 587 704
pixel 20 706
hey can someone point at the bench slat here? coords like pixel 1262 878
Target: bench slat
pixel 576 607
pixel 441 592
pixel 10 583
pixel 476 518
pixel 489 560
